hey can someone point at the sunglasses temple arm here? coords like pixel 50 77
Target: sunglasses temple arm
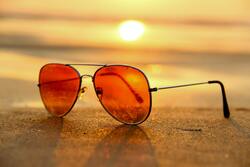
pixel 224 98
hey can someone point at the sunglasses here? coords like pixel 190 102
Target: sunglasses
pixel 123 90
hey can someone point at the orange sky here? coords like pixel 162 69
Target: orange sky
pixel 170 24
pixel 223 9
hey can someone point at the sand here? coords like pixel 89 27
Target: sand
pixel 90 137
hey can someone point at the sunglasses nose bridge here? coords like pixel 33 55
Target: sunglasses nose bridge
pixel 86 76
pixel 84 88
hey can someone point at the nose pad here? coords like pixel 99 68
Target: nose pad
pixel 82 90
pixel 99 92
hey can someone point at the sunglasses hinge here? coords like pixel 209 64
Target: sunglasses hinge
pixel 153 89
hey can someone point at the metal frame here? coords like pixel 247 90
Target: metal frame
pixel 85 64
pixel 155 89
pixel 226 111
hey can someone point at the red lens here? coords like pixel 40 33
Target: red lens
pixel 59 86
pixel 124 93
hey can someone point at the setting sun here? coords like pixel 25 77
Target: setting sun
pixel 131 30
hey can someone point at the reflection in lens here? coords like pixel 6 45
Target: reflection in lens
pixel 59 86
pixel 124 93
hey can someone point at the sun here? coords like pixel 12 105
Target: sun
pixel 131 30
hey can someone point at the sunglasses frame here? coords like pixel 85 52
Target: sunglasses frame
pixel 226 111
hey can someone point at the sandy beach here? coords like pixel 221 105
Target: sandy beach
pixel 90 137
pixel 173 42
pixel 186 127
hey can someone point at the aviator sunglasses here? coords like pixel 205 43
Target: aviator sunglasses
pixel 123 91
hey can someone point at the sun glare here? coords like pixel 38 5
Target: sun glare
pixel 131 30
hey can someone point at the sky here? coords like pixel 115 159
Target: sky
pixel 223 9
pixel 170 25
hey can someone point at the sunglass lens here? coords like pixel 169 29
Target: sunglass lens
pixel 124 93
pixel 59 86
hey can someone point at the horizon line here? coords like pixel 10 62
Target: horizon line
pixel 142 50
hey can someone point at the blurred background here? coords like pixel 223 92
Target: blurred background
pixel 172 41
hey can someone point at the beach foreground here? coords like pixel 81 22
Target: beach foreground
pixel 90 137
